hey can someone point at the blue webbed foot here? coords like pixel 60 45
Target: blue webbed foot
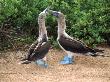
pixel 67 60
pixel 42 63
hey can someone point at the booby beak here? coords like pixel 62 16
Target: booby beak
pixel 54 13
pixel 46 10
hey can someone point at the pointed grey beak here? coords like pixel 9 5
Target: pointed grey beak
pixel 46 10
pixel 54 13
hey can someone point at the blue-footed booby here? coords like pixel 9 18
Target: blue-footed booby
pixel 69 44
pixel 39 48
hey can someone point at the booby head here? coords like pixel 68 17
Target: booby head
pixel 43 13
pixel 61 20
pixel 56 13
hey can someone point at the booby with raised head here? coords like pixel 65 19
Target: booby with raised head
pixel 69 44
pixel 39 48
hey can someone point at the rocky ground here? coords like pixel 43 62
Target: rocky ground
pixel 84 69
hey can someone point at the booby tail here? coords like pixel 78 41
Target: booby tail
pixel 30 51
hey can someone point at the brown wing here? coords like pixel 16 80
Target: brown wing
pixel 72 45
pixel 40 51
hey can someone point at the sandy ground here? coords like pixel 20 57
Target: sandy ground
pixel 84 69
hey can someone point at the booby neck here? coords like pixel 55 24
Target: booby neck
pixel 61 25
pixel 42 27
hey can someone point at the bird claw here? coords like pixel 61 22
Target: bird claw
pixel 66 60
pixel 41 63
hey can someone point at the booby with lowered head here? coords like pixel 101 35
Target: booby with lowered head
pixel 69 44
pixel 39 48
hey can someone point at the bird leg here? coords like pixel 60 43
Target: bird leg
pixel 41 62
pixel 68 59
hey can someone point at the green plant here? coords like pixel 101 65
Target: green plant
pixel 88 20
